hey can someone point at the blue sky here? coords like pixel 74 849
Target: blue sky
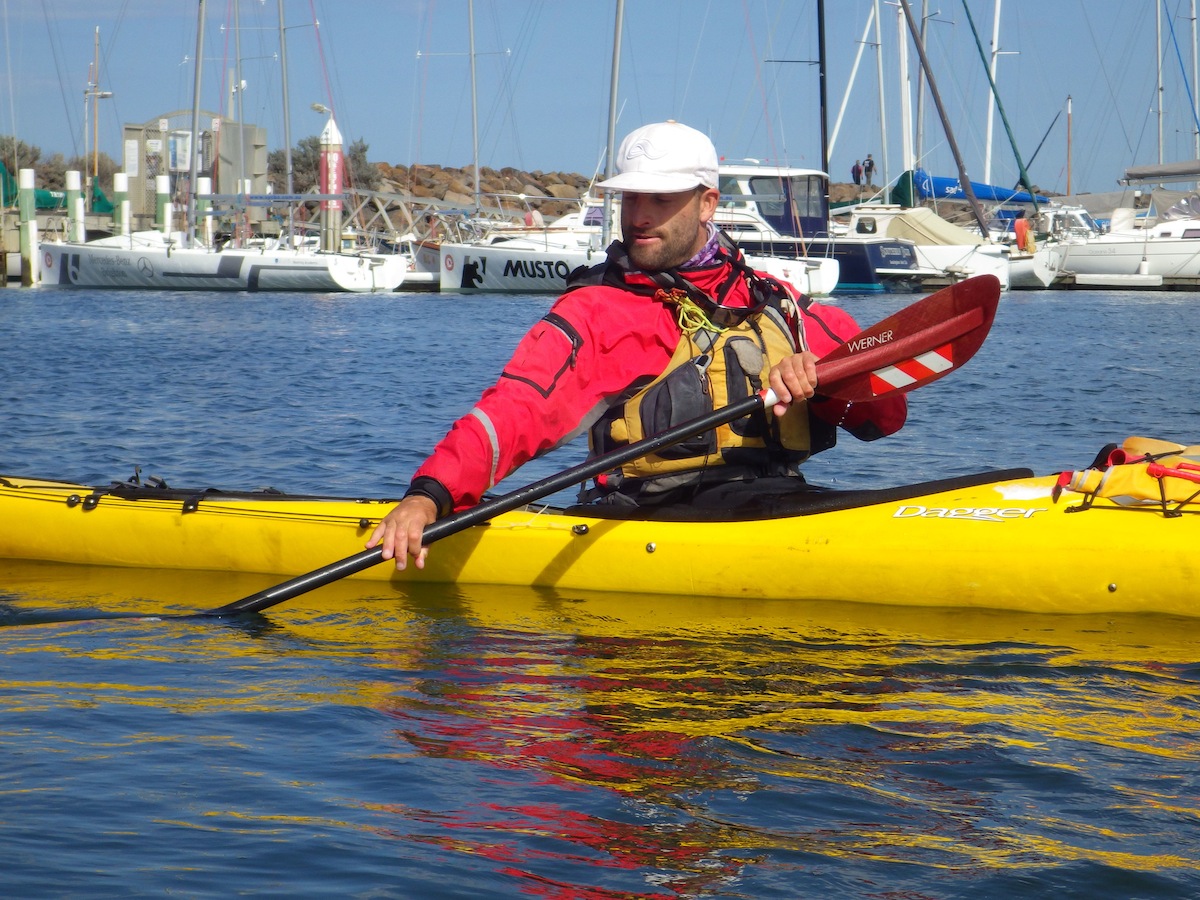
pixel 397 74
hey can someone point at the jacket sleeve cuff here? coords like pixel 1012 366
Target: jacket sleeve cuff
pixel 424 486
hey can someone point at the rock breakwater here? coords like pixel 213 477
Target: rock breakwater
pixel 551 193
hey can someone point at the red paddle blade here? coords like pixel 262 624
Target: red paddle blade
pixel 914 346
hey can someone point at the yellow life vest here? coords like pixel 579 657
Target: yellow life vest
pixel 710 369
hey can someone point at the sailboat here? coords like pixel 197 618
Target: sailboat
pixel 539 258
pixel 944 250
pixel 783 213
pixel 501 256
pixel 155 261
pixel 1155 249
pixel 180 260
pixel 1158 253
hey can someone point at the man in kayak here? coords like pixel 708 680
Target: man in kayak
pixel 672 325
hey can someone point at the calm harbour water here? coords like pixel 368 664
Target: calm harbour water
pixel 472 742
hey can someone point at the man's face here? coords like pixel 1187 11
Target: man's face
pixel 662 231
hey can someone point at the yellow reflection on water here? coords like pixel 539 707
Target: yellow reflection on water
pixel 954 738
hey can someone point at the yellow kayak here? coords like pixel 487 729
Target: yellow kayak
pixel 1052 544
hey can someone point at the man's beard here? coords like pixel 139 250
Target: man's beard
pixel 673 250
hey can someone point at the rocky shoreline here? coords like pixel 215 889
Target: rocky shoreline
pixel 551 193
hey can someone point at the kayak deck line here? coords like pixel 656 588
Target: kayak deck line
pixel 999 540
pixel 243 504
pixel 807 500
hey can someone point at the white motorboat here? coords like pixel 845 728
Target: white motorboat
pixel 777 215
pixel 783 212
pixel 945 252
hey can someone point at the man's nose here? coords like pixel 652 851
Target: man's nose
pixel 638 211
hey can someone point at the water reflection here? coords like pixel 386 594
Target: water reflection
pixel 593 745
pixel 820 735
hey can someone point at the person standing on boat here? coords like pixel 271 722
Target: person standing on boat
pixel 671 325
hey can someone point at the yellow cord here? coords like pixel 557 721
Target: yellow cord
pixel 690 316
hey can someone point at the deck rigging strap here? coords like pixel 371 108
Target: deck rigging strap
pixel 1143 473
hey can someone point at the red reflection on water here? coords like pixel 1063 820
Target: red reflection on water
pixel 536 713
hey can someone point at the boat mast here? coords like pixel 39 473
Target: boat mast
pixel 963 178
pixel 1158 63
pixel 907 159
pixel 287 129
pixel 1068 145
pixel 991 70
pixel 610 164
pixel 919 137
pixel 821 80
pixel 883 129
pixel 194 163
pixel 474 101
pixel 1012 140
pixel 239 87
pixel 94 95
pixel 1195 84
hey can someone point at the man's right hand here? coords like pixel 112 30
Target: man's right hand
pixel 399 532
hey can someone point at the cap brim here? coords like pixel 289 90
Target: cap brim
pixel 648 183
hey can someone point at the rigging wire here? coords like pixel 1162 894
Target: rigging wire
pixel 781 154
pixel 113 107
pixel 420 86
pixel 758 79
pixel 1114 104
pixel 12 108
pixel 687 84
pixel 449 114
pixel 1182 68
pixel 62 80
pixel 509 67
pixel 321 56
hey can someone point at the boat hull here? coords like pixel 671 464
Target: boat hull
pixel 872 265
pixel 501 268
pixel 1002 544
pixel 498 268
pixel 149 267
pixel 811 276
pixel 1168 250
pixel 957 263
pixel 1036 270
pixel 944 252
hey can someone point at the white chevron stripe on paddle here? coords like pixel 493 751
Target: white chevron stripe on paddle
pixel 914 369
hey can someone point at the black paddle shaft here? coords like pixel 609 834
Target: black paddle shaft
pixel 476 515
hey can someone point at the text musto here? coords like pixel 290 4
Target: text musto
pixel 524 268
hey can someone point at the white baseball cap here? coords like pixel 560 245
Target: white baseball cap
pixel 664 158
